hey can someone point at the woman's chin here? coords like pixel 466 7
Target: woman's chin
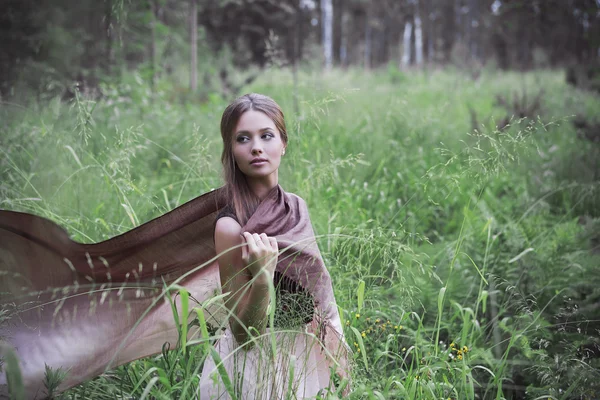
pixel 259 175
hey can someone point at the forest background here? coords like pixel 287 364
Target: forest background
pixel 449 152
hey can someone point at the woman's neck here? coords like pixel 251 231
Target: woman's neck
pixel 261 187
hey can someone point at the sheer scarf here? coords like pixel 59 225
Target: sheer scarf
pixel 88 308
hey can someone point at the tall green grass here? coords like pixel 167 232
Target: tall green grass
pixel 463 261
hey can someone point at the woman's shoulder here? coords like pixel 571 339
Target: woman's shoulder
pixel 227 226
pixel 227 233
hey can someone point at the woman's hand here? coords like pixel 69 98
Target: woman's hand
pixel 260 253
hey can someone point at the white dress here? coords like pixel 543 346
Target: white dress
pixel 288 362
pixel 258 373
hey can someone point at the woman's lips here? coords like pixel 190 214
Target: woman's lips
pixel 258 162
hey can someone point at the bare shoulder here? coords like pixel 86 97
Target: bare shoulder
pixel 227 234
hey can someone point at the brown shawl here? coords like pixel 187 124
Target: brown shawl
pixel 91 307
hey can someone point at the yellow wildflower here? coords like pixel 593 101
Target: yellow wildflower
pixel 404 349
pixel 452 345
pixel 396 327
pixel 459 357
pixel 357 315
pixel 465 349
pixel 363 334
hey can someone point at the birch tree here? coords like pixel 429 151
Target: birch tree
pixel 418 41
pixel 406 37
pixel 327 24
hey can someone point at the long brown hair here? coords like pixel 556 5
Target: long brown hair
pixel 238 194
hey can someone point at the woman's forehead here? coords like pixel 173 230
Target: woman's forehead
pixel 254 121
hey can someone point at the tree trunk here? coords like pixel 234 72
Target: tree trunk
pixel 449 28
pixel 473 29
pixel 338 27
pixel 459 23
pixel 368 35
pixel 406 41
pixel 385 39
pixel 418 40
pixel 89 57
pixel 344 40
pixel 193 45
pixel 428 13
pixel 327 23
pixel 300 30
pixel 108 30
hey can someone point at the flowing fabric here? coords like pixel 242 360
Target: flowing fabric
pixel 87 308
pixel 297 369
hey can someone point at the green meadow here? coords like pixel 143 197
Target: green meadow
pixel 464 253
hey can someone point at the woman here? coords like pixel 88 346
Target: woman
pixel 254 141
pixel 87 308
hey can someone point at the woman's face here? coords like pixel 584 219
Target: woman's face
pixel 257 145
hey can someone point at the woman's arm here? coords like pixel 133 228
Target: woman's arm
pixel 248 298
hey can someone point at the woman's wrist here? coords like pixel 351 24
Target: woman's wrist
pixel 264 278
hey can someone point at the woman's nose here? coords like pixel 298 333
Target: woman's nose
pixel 256 149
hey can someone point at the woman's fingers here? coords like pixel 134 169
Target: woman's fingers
pixel 251 241
pixel 244 249
pixel 265 240
pixel 274 244
pixel 260 252
pixel 257 240
pixel 260 245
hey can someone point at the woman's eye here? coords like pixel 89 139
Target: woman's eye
pixel 242 139
pixel 268 136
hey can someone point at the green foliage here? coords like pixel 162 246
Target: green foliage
pixel 464 263
pixel 52 379
pixel 10 366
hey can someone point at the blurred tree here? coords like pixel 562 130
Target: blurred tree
pixel 50 44
pixel 418 36
pixel 406 42
pixel 564 29
pixel 368 38
pixel 193 45
pixel 429 16
pixel 338 29
pixel 108 31
pixel 327 25
pixel 19 35
pixel 244 26
pixel 449 28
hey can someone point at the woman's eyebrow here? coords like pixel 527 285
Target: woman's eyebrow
pixel 260 130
